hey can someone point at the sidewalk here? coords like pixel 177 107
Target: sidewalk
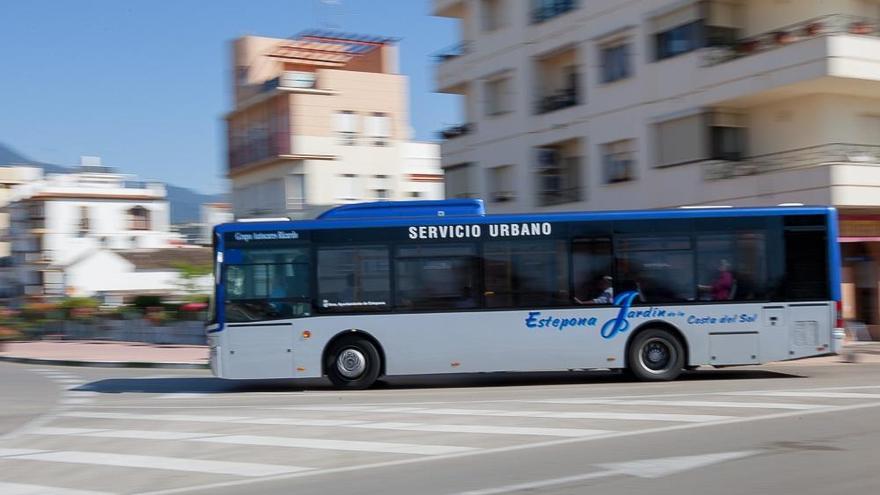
pixel 105 354
pixel 140 355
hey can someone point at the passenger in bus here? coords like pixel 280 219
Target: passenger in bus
pixel 724 286
pixel 606 293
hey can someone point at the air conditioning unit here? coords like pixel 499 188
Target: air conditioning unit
pixel 297 79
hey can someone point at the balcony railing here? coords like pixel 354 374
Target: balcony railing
pixel 454 51
pixel 811 28
pixel 550 9
pixel 793 159
pixel 557 101
pixel 559 196
pixel 456 131
pixel 259 148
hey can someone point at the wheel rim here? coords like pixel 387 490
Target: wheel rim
pixel 351 363
pixel 657 356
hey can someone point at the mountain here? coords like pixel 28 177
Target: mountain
pixel 185 203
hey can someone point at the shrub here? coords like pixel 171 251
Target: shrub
pixel 147 301
pixel 9 333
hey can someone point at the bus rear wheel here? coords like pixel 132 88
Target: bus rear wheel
pixel 655 355
pixel 353 363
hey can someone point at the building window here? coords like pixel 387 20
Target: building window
pixel 347 184
pixel 681 140
pixel 558 81
pixel 381 194
pixel 415 194
pixel 138 218
pixel 83 226
pixel 493 15
pixel 727 133
pixel 559 178
pixel 618 161
pixel 458 181
pixel 615 61
pixel 346 127
pixel 378 128
pixel 543 10
pixel 498 95
pixel 501 184
pixel 679 40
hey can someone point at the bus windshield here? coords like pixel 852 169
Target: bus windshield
pixel 266 284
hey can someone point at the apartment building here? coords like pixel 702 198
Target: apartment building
pixel 320 120
pixel 602 104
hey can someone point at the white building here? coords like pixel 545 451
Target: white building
pixel 320 120
pixel 59 219
pixel 602 104
pixel 213 214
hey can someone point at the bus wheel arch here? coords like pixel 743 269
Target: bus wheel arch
pixel 664 334
pixel 359 340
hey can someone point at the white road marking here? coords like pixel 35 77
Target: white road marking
pixel 490 430
pixel 274 441
pixel 613 415
pixel 15 452
pixel 527 446
pixel 188 395
pixel 813 394
pixel 682 403
pixel 153 417
pixel 645 468
pixel 301 422
pixel 74 401
pixel 349 445
pixel 247 469
pixel 23 489
pixel 106 433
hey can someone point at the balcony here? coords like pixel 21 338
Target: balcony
pixel 547 10
pixel 808 29
pixel 258 148
pixel 454 51
pixel 802 158
pixel 558 175
pixel 455 131
pixel 557 101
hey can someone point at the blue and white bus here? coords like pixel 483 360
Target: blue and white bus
pixel 425 287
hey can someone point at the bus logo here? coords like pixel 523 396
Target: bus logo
pixel 620 323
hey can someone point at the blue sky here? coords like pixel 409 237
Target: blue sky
pixel 144 83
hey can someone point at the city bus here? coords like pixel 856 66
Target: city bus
pixel 384 289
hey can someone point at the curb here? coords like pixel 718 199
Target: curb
pixel 103 364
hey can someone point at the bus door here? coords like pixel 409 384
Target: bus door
pixel 266 291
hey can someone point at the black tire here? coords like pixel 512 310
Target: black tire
pixel 353 363
pixel 655 355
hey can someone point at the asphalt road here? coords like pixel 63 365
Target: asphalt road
pixel 777 429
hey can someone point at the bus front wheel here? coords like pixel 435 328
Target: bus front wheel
pixel 353 363
pixel 655 355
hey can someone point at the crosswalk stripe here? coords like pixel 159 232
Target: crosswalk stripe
pixel 24 489
pixel 349 445
pixel 15 452
pixel 816 394
pixel 612 415
pixel 105 433
pixel 246 469
pixel 682 403
pixel 152 417
pixel 370 425
pixel 491 430
pixel 273 441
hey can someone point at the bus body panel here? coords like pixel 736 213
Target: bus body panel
pixel 552 339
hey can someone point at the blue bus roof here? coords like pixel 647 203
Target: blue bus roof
pixel 470 211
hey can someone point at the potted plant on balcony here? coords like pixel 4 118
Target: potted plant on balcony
pixel 783 37
pixel 861 27
pixel 814 28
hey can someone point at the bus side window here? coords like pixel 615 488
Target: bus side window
pixel 525 274
pixel 436 277
pixel 658 266
pixel 592 271
pixel 354 279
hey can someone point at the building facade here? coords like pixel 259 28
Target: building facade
pixel 56 220
pixel 576 105
pixel 320 120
